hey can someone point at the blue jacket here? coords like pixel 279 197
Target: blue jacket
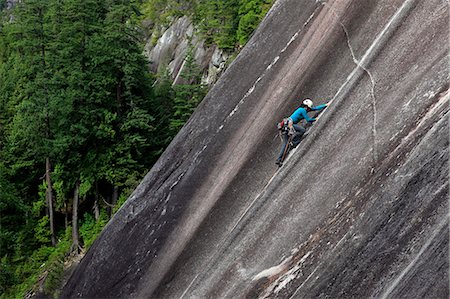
pixel 301 113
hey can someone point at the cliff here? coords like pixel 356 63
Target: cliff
pixel 170 50
pixel 360 208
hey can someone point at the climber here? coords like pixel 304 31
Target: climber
pixel 293 132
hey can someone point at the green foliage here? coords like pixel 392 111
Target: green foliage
pixel 45 262
pixel 54 267
pixel 217 21
pixel 55 274
pixel 75 91
pixel 27 272
pixel 251 13
pixel 90 228
pixel 12 213
pixel 163 111
pixel 7 275
pixel 162 11
pixel 39 204
pixel 85 186
pixel 42 233
pixel 122 199
pixel 58 185
pixel 187 95
pixel 226 23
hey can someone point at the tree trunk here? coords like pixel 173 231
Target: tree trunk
pixel 49 199
pixel 96 208
pixel 108 206
pixel 75 233
pixel 66 214
pixel 115 197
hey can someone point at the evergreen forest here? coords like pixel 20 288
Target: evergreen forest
pixel 82 119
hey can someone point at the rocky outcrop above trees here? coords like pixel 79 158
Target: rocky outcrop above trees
pixel 360 208
pixel 10 4
pixel 170 50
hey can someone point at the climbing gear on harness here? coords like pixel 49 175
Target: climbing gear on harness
pixel 283 125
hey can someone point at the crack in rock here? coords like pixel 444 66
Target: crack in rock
pixel 379 42
pixel 372 93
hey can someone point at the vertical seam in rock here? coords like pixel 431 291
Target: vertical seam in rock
pixel 372 92
pixel 376 46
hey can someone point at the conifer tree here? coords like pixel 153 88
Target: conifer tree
pixel 79 24
pixel 33 120
pixel 128 121
pixel 251 13
pixel 189 94
pixel 217 21
pixel 81 120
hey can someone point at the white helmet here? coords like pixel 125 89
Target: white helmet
pixel 308 103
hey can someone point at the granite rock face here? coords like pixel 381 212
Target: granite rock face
pixel 10 4
pixel 172 47
pixel 360 209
